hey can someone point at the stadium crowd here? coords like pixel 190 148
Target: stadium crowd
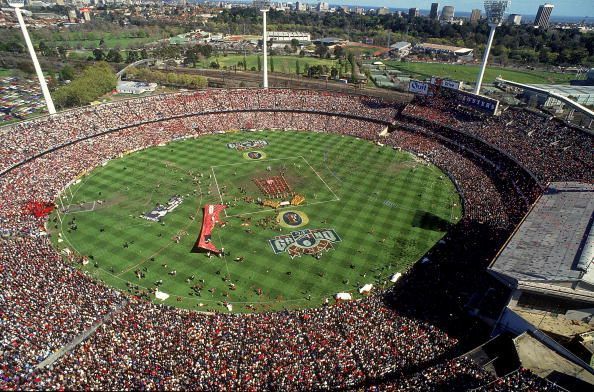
pixel 45 302
pixel 551 149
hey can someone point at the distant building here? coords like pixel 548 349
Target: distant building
pixel 323 7
pixel 543 15
pixel 283 38
pixel 86 13
pixel 329 41
pixel 433 14
pixel 383 11
pixel 475 16
pixel 359 10
pixel 135 87
pixel 414 12
pixel 454 52
pixel 260 4
pixel 72 16
pixel 514 19
pixel 401 49
pixel 447 13
pixel 300 6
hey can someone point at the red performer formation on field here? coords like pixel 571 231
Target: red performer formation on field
pixel 276 186
pixel 210 218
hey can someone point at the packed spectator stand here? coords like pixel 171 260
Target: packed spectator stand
pixel 406 338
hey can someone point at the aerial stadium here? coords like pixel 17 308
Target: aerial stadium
pixel 80 253
pixel 294 239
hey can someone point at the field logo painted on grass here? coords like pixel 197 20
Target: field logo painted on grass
pixel 247 145
pixel 292 219
pixel 254 155
pixel 309 242
pixel 161 210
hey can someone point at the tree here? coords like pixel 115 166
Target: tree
pixel 297 68
pixel 333 73
pixel 271 64
pixel 543 55
pixel 99 54
pixel 205 50
pixel 191 57
pixel 244 63
pixel 295 44
pixel 214 65
pixel 62 51
pixel 259 64
pixel 44 49
pixel 95 81
pixel 321 50
pixel 114 56
pixel 67 73
pixel 143 54
pixel 132 56
pixel 339 51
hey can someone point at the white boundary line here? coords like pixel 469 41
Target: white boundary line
pixel 218 189
pixel 283 208
pixel 327 186
pixel 258 161
pixel 277 209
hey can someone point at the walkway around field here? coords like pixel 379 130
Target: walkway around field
pixel 84 335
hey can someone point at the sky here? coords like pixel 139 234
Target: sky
pixel 525 7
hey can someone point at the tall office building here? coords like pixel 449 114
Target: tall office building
pixel 543 15
pixel 514 19
pixel 323 7
pixel 434 10
pixel 261 4
pixel 447 13
pixel 475 16
pixel 414 12
pixel 300 6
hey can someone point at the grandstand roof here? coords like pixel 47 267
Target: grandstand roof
pixel 553 244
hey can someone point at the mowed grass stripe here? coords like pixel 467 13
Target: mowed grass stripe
pixel 386 198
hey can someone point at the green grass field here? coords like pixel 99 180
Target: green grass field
pixel 282 64
pixel 6 72
pixel 468 73
pixel 387 208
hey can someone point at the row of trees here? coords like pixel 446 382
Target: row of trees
pixel 115 56
pixel 172 78
pixel 515 43
pixel 93 82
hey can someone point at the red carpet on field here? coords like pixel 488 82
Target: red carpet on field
pixel 209 220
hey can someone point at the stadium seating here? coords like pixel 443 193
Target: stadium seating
pixel 45 302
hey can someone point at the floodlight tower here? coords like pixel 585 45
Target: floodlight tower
pixel 264 49
pixel 17 5
pixel 495 10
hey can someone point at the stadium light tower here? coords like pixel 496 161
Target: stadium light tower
pixel 17 5
pixel 264 48
pixel 495 10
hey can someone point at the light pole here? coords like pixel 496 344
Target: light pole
pixel 495 10
pixel 46 94
pixel 264 49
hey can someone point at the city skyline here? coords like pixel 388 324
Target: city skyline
pixel 524 7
